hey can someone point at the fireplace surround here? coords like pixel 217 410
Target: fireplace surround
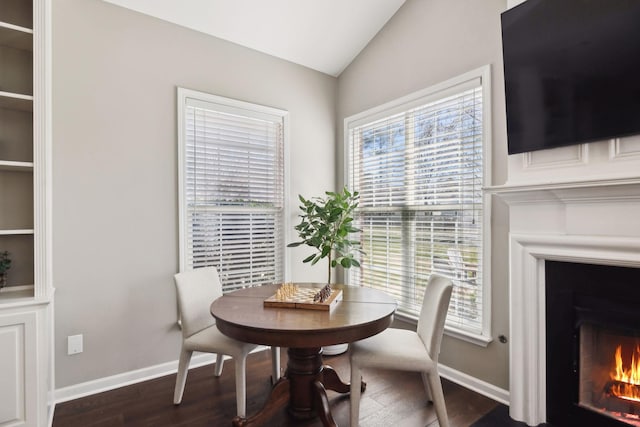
pixel 529 254
pixel 585 222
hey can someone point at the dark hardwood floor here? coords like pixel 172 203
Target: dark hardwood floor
pixel 392 398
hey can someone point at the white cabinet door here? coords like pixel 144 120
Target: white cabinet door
pixel 18 367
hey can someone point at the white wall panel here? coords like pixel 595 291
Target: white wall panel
pixel 18 370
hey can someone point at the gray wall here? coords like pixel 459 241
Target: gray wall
pixel 115 215
pixel 427 42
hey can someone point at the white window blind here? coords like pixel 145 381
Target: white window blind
pixel 232 182
pixel 418 166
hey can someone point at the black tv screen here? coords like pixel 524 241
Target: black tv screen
pixel 572 72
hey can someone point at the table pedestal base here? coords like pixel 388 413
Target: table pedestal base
pixel 304 387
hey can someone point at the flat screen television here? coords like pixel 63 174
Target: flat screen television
pixel 571 71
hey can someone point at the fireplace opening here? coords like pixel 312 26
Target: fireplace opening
pixel 609 372
pixel 593 344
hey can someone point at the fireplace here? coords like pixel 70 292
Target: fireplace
pixel 581 223
pixel 592 344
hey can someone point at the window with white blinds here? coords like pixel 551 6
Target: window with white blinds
pixel 231 159
pixel 419 166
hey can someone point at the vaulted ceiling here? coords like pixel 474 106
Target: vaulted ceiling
pixel 325 35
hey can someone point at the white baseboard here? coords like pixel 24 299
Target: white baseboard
pixel 77 391
pixel 481 387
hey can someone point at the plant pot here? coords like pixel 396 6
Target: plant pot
pixel 334 350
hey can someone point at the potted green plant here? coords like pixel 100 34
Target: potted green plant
pixel 5 264
pixel 326 224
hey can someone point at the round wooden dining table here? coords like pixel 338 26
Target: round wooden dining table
pixel 361 313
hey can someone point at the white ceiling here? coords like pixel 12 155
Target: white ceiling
pixel 325 35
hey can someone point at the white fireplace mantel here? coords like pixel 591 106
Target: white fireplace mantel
pixel 595 222
pixel 591 191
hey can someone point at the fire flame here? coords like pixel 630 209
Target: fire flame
pixel 628 386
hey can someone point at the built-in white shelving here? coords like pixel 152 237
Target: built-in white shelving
pixel 26 301
pixel 17 142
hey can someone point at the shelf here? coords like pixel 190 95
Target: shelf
pixel 8 165
pixel 16 101
pixel 16 37
pixel 16 232
pixel 16 295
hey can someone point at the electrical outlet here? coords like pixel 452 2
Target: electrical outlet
pixel 74 344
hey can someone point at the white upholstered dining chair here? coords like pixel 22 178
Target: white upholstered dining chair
pixel 407 350
pixel 196 291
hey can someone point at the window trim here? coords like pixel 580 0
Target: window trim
pixel 226 104
pixel 437 91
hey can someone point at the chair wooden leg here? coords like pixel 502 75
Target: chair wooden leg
pixel 219 364
pixel 438 398
pixel 241 385
pixel 355 393
pixel 275 364
pixel 181 378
